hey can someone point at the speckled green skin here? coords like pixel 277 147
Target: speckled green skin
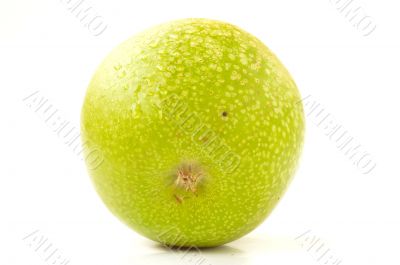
pixel 135 111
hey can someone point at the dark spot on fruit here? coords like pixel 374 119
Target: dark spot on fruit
pixel 225 114
pixel 204 139
pixel 178 198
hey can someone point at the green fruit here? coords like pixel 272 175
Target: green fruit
pixel 201 128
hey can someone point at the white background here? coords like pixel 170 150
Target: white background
pixel 44 187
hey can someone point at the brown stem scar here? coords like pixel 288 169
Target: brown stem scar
pixel 188 179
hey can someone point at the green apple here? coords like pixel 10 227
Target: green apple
pixel 201 128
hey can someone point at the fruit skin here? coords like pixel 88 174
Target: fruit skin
pixel 174 99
